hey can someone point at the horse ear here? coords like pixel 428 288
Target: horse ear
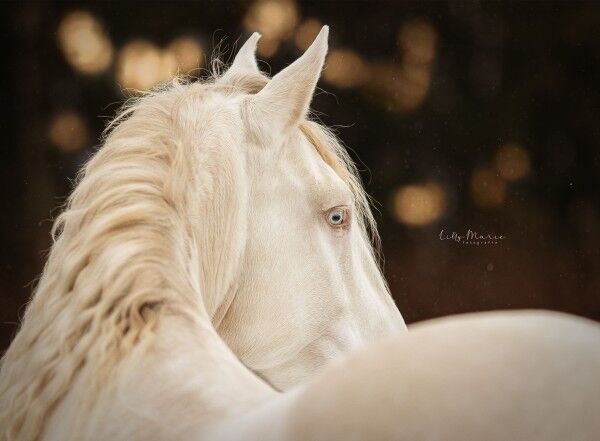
pixel 245 60
pixel 286 98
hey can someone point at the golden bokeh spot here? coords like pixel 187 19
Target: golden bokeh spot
pixel 402 89
pixel 68 132
pixel 417 40
pixel 412 87
pixel 419 204
pixel 307 32
pixel 274 19
pixel 416 77
pixel 188 54
pixel 512 162
pixel 84 43
pixel 267 47
pixel 345 68
pixel 487 188
pixel 141 65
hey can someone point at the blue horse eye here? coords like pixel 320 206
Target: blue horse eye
pixel 336 217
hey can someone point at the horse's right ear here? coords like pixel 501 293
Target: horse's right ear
pixel 244 62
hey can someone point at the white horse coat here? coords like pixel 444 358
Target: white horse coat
pixel 212 271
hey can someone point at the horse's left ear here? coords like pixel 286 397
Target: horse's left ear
pixel 286 98
pixel 244 62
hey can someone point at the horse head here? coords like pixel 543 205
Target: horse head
pixel 306 287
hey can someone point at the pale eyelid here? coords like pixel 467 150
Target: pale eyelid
pixel 338 200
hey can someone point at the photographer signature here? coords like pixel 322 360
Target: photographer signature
pixel 472 237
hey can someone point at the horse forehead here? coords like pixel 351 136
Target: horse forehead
pixel 303 160
pixel 208 108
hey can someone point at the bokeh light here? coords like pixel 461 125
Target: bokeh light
pixel 412 87
pixel 141 65
pixel 69 132
pixel 417 41
pixel 84 43
pixel 267 47
pixel 401 89
pixel 345 68
pixel 404 87
pixel 274 19
pixel 512 162
pixel 188 54
pixel 488 189
pixel 307 32
pixel 419 204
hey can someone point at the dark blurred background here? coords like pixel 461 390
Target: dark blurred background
pixel 480 116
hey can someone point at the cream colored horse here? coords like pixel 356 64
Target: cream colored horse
pixel 213 269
